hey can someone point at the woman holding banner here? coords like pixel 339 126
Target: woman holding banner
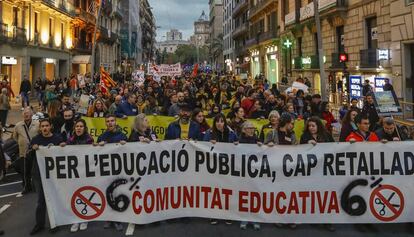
pixel 141 132
pixel 248 136
pixel 237 120
pixel 220 132
pixel 273 124
pixel 80 137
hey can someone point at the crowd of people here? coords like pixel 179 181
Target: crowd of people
pixel 228 101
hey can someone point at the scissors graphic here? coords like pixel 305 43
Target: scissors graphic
pixel 379 202
pixel 81 202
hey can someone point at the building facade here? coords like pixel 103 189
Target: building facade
pixel 201 35
pixel 216 34
pixel 108 51
pixel 240 35
pixel 228 42
pixel 263 43
pixel 148 31
pixel 35 40
pixel 174 39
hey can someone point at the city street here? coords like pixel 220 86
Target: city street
pixel 17 218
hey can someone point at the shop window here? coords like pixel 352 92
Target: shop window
pixel 340 39
pixel 315 37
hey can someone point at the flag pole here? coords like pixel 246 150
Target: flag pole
pixel 94 41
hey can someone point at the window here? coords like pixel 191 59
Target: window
pixel 316 43
pixel 299 46
pixel 50 26
pixel 409 2
pixel 15 16
pixel 286 7
pixel 340 40
pixel 36 22
pixel 62 32
pixel 371 31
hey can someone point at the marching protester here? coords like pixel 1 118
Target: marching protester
pixel 284 135
pixel 24 132
pixel 370 111
pixel 4 107
pixel 127 108
pixel 348 124
pixel 315 132
pixel 362 133
pixel 237 120
pixel 114 106
pixel 183 127
pixel 220 132
pixel 45 138
pixel 98 109
pixel 25 90
pixel 80 137
pixel 198 117
pixel 141 131
pixel 270 127
pixel 248 136
pixel 113 134
pixel 389 131
pixel 68 121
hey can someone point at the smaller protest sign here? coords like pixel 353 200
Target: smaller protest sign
pixel 386 103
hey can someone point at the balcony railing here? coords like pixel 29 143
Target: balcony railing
pixel 259 7
pixel 51 43
pixel 117 12
pixel 252 41
pixel 85 16
pixel 268 35
pixel 239 7
pixel 82 46
pixel 368 58
pixel 240 30
pixel 19 36
pixel 63 6
pixel 336 63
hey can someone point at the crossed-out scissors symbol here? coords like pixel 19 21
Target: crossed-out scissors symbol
pixel 379 202
pixel 85 206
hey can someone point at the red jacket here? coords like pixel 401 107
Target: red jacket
pixel 372 137
pixel 329 118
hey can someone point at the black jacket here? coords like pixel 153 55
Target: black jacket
pixel 306 137
pixel 25 86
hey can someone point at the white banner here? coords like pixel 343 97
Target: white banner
pixel 165 70
pixel 143 183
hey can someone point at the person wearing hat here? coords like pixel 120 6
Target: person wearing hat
pixel 183 127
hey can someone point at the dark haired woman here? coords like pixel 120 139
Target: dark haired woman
pixel 315 132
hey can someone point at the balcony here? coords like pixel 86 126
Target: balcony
pixel 335 61
pixel 117 13
pixel 3 32
pixel 64 7
pixel 19 36
pixel 51 39
pixel 251 42
pixel 330 6
pixel 242 5
pixel 85 16
pixel 368 58
pixel 241 30
pixel 261 6
pixel 82 46
pixel 271 34
pixel 240 50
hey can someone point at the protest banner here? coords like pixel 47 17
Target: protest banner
pixel 387 104
pixel 159 125
pixel 167 70
pixel 144 183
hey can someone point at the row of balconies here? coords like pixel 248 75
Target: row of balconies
pixel 243 4
pixel 13 34
pixel 260 6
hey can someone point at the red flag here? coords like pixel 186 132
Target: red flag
pixel 195 71
pixel 106 81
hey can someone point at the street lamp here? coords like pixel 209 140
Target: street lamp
pixel 198 40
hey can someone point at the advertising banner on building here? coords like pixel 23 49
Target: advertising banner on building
pixel 143 183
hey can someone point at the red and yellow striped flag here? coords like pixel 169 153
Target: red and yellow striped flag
pixel 106 81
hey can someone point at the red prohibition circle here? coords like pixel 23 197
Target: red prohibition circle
pixel 78 194
pixel 376 193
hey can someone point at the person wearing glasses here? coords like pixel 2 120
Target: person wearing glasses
pixel 362 134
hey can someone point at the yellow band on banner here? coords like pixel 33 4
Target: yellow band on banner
pixel 159 125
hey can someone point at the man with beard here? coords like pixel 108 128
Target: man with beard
pixel 270 104
pixel 66 104
pixel 389 131
pixel 183 128
pixel 66 130
pixel 370 110
pixel 176 101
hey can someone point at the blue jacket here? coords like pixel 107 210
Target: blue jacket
pixel 126 109
pixel 112 137
pixel 232 137
pixel 174 131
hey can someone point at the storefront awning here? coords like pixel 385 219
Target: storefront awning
pixel 81 59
